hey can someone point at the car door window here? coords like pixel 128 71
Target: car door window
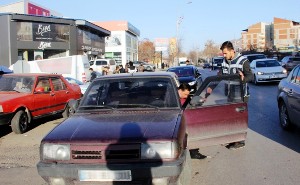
pixel 43 85
pixel 58 84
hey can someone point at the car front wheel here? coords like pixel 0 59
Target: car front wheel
pixel 19 123
pixel 255 80
pixel 284 117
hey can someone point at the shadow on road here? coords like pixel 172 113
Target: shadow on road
pixel 6 129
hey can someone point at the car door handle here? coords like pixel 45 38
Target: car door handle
pixel 52 94
pixel 67 92
pixel 240 109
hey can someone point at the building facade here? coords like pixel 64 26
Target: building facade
pixel 30 37
pixel 28 7
pixel 282 35
pixel 122 44
pixel 286 35
pixel 258 37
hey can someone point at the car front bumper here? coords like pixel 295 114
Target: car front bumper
pixel 271 78
pixel 5 118
pixel 141 172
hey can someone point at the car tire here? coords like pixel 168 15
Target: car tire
pixel 284 119
pixel 148 68
pixel 68 112
pixel 19 123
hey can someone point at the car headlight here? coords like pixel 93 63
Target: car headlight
pixel 159 150
pixel 1 108
pixel 55 151
pixel 260 73
pixel 192 83
pixel 284 71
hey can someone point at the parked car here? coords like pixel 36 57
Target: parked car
pixel 289 99
pixel 83 86
pixel 289 62
pixel 24 97
pixel 267 70
pixel 147 66
pixel 252 57
pixel 216 62
pixel 206 65
pixel 188 74
pixel 99 64
pixel 132 129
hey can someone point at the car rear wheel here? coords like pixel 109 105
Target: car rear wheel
pixel 148 68
pixel 284 117
pixel 19 123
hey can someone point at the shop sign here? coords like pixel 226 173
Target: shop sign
pixel 89 48
pixel 44 45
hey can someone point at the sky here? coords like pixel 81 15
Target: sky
pixel 194 22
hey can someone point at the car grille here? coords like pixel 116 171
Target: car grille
pixel 76 154
pixel 272 73
pixel 94 153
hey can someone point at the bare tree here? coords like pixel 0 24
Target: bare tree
pixel 146 51
pixel 210 49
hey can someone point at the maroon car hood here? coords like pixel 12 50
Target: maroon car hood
pixel 117 126
pixel 10 96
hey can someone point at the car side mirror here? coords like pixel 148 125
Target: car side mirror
pixel 197 101
pixel 74 104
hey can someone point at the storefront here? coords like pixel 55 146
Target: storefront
pixel 30 37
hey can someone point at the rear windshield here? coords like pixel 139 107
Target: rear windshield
pixel 254 57
pixel 267 63
pixel 101 62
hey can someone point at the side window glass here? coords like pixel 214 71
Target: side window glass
pixel 294 75
pixel 58 84
pixel 43 85
pixel 297 80
pixel 219 93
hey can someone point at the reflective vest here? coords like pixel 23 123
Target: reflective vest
pixel 232 67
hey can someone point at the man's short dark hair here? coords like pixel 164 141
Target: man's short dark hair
pixel 184 86
pixel 228 45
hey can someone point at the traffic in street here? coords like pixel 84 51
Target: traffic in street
pixel 270 156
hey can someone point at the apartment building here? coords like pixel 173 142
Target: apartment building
pixel 286 35
pixel 257 37
pixel 282 35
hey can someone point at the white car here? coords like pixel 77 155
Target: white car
pixel 267 70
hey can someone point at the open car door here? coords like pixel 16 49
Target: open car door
pixel 221 117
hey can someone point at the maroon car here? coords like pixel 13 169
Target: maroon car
pixel 24 97
pixel 132 129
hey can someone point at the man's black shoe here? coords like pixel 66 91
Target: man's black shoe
pixel 195 154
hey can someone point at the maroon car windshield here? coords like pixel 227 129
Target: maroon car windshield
pixel 130 93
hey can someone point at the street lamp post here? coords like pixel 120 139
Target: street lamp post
pixel 179 20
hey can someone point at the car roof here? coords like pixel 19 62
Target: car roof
pixel 255 54
pixel 178 67
pixel 32 74
pixel 263 59
pixel 161 74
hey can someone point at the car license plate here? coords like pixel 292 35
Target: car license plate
pixel 104 175
pixel 273 76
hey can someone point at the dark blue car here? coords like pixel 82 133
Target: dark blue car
pixel 188 74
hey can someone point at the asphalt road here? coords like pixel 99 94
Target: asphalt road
pixel 271 155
